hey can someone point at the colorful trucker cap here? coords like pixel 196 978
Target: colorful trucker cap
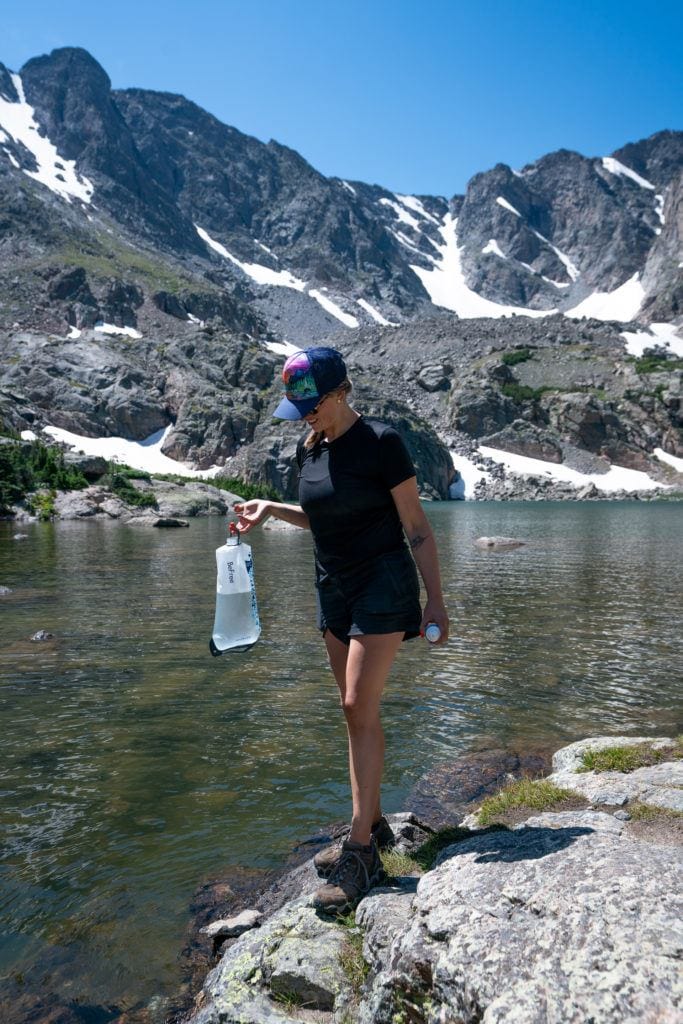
pixel 309 375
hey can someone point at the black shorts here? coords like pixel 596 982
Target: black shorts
pixel 380 596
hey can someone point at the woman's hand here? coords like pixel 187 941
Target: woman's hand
pixel 251 513
pixel 435 611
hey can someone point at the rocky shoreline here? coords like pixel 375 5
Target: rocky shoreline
pixel 530 919
pixel 177 502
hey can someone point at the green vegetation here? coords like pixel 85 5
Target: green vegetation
pixel 121 486
pixel 428 852
pixel 656 363
pixel 6 431
pixel 645 812
pixel 232 483
pixel 520 355
pixel 42 505
pixel 352 961
pixel 398 864
pixel 289 1001
pixel 111 258
pixel 523 393
pixel 29 467
pixel 628 759
pixel 128 472
pixel 412 1007
pixel 537 795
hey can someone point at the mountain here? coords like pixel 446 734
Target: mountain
pixel 142 240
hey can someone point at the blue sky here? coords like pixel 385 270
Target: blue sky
pixel 416 96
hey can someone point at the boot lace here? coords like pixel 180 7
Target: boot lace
pixel 351 870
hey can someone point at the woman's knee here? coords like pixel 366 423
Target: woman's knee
pixel 358 712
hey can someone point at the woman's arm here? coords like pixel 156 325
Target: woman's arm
pixel 251 513
pixel 423 546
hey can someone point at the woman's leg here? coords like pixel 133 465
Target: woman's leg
pixel 338 653
pixel 361 671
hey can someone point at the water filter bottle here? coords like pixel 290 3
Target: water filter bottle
pixel 236 626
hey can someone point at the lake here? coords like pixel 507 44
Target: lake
pixel 134 765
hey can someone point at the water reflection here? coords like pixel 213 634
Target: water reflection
pixel 133 763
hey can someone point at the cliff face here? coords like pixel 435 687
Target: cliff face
pixel 138 212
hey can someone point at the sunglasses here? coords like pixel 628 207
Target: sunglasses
pixel 314 412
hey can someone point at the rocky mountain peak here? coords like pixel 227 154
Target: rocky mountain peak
pixel 7 88
pixel 657 159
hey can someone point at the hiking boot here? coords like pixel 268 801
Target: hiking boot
pixel 357 871
pixel 326 861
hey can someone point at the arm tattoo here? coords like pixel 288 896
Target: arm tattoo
pixel 416 541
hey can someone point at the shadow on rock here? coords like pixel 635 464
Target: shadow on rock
pixel 509 845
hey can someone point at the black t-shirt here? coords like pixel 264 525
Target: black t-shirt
pixel 344 489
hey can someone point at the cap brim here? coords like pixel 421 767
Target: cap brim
pixel 287 410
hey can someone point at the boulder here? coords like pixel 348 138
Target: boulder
pixel 511 926
pixel 230 927
pixel 190 498
pixel 433 378
pixel 659 785
pixel 295 955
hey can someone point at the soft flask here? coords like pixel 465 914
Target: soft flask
pixel 236 625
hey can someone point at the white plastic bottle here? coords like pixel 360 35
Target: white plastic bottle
pixel 432 632
pixel 236 626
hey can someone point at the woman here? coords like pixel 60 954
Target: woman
pixel 359 497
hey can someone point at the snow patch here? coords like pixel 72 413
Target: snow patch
pixel 256 271
pixel 492 246
pixel 281 348
pixel 622 171
pixel 467 468
pixel 145 455
pixel 73 334
pixel 103 328
pixel 28 435
pixel 663 456
pixel 446 285
pixel 375 313
pixel 659 209
pixel 617 478
pixel 572 269
pixel 403 215
pixel 659 336
pixel 266 249
pixel 621 304
pixel 556 284
pixel 400 237
pixel 671 460
pixel 278 278
pixel 507 206
pixel 333 308
pixel 349 188
pixel 54 171
pixel 417 206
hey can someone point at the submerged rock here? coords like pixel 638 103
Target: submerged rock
pixel 499 542
pixel 42 634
